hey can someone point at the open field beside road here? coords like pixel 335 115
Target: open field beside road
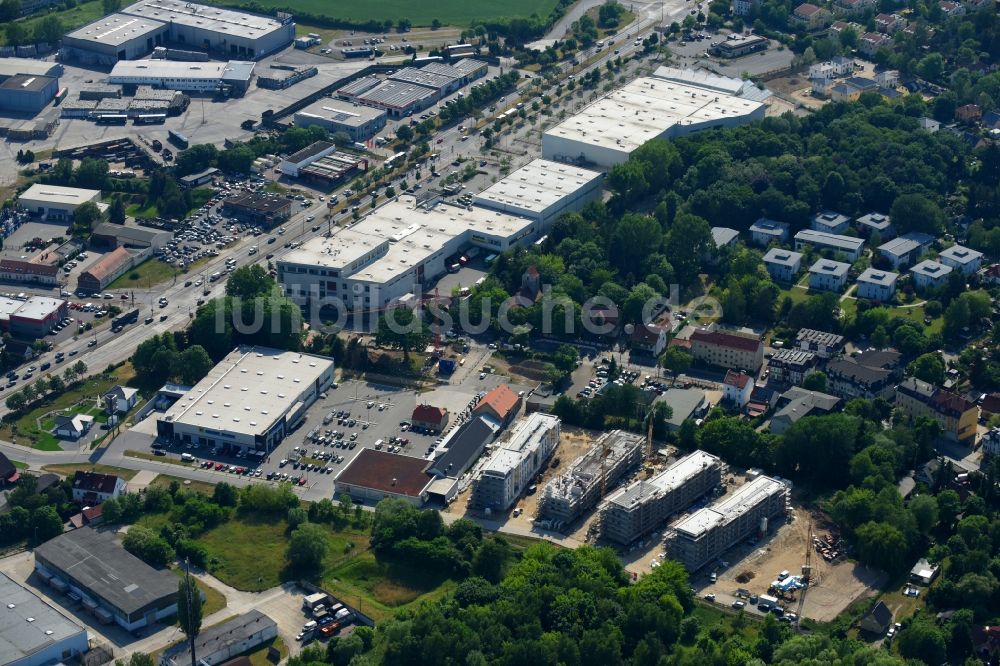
pixel 71 468
pixel 448 12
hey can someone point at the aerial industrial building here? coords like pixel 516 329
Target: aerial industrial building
pixel 55 202
pixel 249 401
pixel 114 585
pixel 515 462
pixel 410 90
pixel 707 533
pixel 669 104
pixel 542 190
pixel 635 510
pixel 392 252
pixel 358 122
pixel 32 632
pixel 24 93
pixel 229 78
pixel 137 29
pixel 32 318
pixel 578 489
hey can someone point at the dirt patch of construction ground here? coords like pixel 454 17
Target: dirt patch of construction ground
pixel 833 585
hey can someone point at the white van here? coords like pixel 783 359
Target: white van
pixel 378 444
pixel 187 457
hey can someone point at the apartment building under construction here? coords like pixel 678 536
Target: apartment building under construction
pixel 638 508
pixel 578 489
pixel 707 533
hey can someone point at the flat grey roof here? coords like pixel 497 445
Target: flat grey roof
pixel 884 278
pixel 769 227
pixel 730 507
pixel 877 221
pixel 777 255
pixel 960 254
pixel 829 218
pixel 906 243
pixel 223 71
pixel 25 82
pixel 683 401
pixel 203 17
pixel 12 66
pixel 116 29
pixel 724 236
pixel 358 86
pixel 20 637
pixel 830 267
pixel 39 307
pixel 670 479
pixel 830 240
pixel 96 561
pixel 221 636
pixel 398 94
pixel 931 269
pixel 344 113
pixel 538 185
pixel 423 77
pixel 467 66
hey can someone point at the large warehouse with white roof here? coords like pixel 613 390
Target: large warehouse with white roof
pixel 249 401
pixel 392 251
pixel 231 77
pixel 669 104
pixel 542 190
pixel 55 202
pixel 134 31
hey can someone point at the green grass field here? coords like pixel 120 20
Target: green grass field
pixel 71 468
pixel 214 600
pixel 448 12
pixel 82 14
pixel 148 273
pixel 380 589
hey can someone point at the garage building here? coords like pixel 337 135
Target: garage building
pixel 249 401
pixel 33 633
pixel 359 122
pixel 670 104
pixel 111 235
pixel 542 190
pixel 267 210
pixel 29 67
pixel 55 202
pixel 111 583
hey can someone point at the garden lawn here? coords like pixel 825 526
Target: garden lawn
pixel 448 12
pixel 164 481
pixel 214 600
pixel 249 553
pixel 148 273
pixel 27 425
pixel 69 469
pixel 379 589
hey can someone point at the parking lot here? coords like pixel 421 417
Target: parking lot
pixel 313 462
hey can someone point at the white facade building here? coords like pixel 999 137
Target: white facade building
pixel 930 274
pixel 515 462
pixel 55 202
pixel 851 247
pixel 783 265
pixel 763 232
pixel 828 275
pixel 877 285
pixel 202 77
pixel 542 190
pixel 394 251
pixel 669 104
pixel 961 259
pixel 249 401
pixel 33 633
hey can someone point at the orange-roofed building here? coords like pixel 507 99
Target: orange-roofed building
pixel 501 404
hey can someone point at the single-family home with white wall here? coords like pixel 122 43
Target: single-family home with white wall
pixel 763 232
